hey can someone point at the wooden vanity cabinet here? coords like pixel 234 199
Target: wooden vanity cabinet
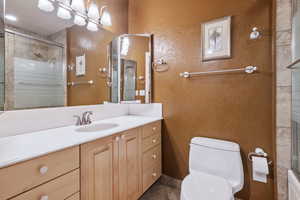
pixel 121 167
pixel 118 167
pixel 99 169
pixel 130 165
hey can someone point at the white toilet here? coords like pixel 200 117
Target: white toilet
pixel 216 170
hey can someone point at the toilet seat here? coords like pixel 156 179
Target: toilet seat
pixel 201 186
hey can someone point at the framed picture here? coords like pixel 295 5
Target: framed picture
pixel 216 39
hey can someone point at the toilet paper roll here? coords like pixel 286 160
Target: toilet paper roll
pixel 260 169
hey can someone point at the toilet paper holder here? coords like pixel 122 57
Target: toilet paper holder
pixel 259 152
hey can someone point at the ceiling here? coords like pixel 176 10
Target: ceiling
pixel 31 18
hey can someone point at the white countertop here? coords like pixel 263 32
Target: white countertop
pixel 15 149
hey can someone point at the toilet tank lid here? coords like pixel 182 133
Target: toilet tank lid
pixel 216 144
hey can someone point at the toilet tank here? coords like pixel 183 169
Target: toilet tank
pixel 217 157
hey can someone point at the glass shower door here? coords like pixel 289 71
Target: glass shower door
pixel 296 90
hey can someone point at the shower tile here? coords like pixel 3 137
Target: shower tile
pixel 284 15
pixel 284 147
pixel 283 98
pixel 283 59
pixel 282 183
pixel 284 38
pixel 160 191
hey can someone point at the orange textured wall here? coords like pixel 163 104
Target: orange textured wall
pixel 234 107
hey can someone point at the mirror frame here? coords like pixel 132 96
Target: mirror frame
pixel 148 72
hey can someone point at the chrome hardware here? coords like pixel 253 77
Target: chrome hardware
pixel 43 170
pixel 85 119
pixel 154 174
pixel 290 66
pixel 254 34
pixel 44 197
pixel 154 156
pixel 78 121
pixel 90 82
pixel 247 70
pixel 259 152
pixel 154 141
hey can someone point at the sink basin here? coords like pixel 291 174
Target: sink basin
pixel 97 127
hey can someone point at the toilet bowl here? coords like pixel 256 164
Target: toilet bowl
pixel 216 171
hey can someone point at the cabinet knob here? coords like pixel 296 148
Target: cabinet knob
pixel 154 141
pixel 154 174
pixel 43 170
pixel 117 138
pixel 44 197
pixel 154 128
pixel 154 156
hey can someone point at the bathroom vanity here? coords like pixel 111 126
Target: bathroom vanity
pixel 118 163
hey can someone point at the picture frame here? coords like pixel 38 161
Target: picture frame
pixel 216 39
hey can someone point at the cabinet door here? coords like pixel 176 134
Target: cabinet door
pixel 130 165
pixel 99 170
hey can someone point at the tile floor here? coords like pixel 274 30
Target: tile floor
pixel 160 191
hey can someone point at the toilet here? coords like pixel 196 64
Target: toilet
pixel 215 170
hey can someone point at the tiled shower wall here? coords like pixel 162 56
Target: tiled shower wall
pixel 283 85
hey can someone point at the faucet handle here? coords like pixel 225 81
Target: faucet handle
pixel 78 122
pixel 88 117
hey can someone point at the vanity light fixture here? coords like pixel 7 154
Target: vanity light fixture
pixel 78 5
pixel 11 18
pixel 92 26
pixel 80 21
pixel 105 19
pixel 93 12
pixel 45 5
pixel 66 9
pixel 63 11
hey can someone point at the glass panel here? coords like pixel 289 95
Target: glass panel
pixel 37 72
pixel 296 90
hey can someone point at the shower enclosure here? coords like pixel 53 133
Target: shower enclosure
pixel 35 70
pixel 296 90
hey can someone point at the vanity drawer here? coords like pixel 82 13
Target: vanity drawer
pixel 26 175
pixel 57 189
pixel 151 141
pixel 151 175
pixel 152 157
pixel 151 129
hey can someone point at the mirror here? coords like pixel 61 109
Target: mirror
pixel 61 53
pixel 130 68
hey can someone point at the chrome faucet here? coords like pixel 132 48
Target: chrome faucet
pixel 85 119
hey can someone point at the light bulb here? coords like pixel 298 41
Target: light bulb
pixel 93 12
pixel 105 19
pixel 45 5
pixel 63 13
pixel 92 27
pixel 80 21
pixel 78 5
